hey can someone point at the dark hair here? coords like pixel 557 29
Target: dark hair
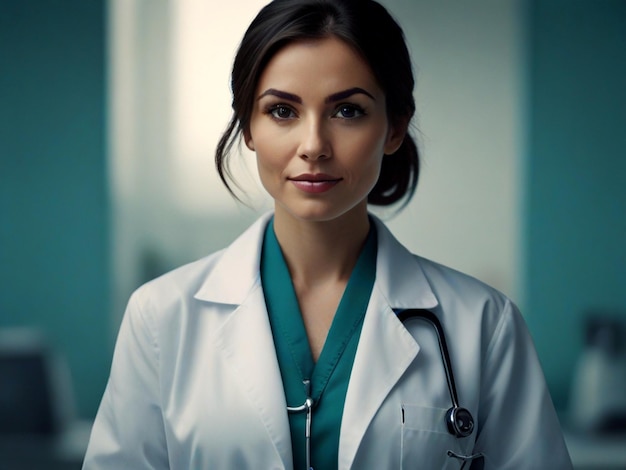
pixel 367 27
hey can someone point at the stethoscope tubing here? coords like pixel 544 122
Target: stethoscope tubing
pixel 427 315
pixel 459 420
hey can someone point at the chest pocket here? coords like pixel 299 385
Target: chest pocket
pixel 426 441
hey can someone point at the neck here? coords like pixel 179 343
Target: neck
pixel 321 251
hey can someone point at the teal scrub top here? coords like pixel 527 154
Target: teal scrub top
pixel 328 377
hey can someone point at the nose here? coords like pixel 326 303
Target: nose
pixel 314 141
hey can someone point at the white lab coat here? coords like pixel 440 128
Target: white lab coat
pixel 195 383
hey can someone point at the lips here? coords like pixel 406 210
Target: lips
pixel 315 183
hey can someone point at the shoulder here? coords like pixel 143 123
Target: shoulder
pixel 470 310
pixel 448 283
pixel 165 307
pixel 410 280
pixel 176 285
pixel 465 299
pixel 223 277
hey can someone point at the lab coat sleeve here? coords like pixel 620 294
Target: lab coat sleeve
pixel 128 431
pixel 518 426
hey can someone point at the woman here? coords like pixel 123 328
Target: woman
pixel 287 349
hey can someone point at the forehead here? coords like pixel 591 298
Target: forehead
pixel 327 63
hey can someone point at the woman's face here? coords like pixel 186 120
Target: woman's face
pixel 319 129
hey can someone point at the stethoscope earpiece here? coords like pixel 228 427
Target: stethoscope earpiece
pixel 460 422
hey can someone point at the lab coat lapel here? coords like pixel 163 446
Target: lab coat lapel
pixel 246 342
pixel 245 337
pixel 386 349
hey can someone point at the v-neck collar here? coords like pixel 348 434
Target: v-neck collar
pixel 286 317
pixel 329 377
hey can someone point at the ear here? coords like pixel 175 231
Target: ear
pixel 395 135
pixel 247 137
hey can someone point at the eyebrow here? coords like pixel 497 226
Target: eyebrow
pixel 281 94
pixel 341 95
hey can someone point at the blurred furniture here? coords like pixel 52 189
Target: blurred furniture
pixel 38 425
pixel 595 423
pixel 597 452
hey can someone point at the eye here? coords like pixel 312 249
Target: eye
pixel 349 111
pixel 281 112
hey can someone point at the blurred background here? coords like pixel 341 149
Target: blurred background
pixel 109 116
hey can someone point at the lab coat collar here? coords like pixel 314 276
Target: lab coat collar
pixel 399 276
pixel 237 270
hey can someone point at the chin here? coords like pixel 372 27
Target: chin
pixel 318 211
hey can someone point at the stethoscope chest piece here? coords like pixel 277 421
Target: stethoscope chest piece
pixel 460 422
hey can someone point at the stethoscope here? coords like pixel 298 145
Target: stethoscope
pixel 459 420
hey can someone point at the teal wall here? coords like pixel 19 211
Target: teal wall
pixel 54 246
pixel 575 213
pixel 54 209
